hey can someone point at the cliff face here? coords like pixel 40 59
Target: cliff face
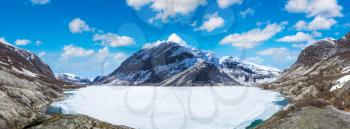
pixel 317 86
pixel 27 86
pixel 321 71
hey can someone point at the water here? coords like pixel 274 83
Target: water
pixel 174 107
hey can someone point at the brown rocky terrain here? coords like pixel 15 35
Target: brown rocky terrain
pixel 74 122
pixel 311 82
pixel 309 117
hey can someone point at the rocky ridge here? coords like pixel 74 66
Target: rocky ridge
pixel 320 79
pixel 73 79
pixel 27 87
pixel 172 64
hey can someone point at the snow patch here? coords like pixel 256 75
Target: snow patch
pixel 69 77
pixel 3 63
pixel 174 107
pixel 25 72
pixel 247 73
pixel 340 82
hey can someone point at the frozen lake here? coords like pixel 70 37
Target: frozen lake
pixel 174 107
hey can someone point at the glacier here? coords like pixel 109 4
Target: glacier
pixel 149 107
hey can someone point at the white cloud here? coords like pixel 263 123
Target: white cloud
pixel 38 42
pixel 137 4
pixel 177 39
pixel 40 2
pixel 321 23
pixel 78 26
pixel 167 8
pixel 152 45
pixel 42 54
pixel 104 55
pixel 213 22
pixel 301 45
pixel 173 38
pixel 3 40
pixel 279 53
pixel 347 24
pixel 22 42
pixel 297 6
pixel 113 40
pixel 247 12
pixel 301 25
pixel 253 37
pixel 94 62
pixel 71 51
pixel 297 38
pixel 316 34
pixel 101 55
pixel 227 3
pixel 193 24
pixel 325 8
pixel 120 57
pixel 318 23
pixel 256 60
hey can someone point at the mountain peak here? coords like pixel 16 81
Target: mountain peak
pixel 172 39
pixel 72 78
pixel 31 65
pixel 165 62
pixel 247 72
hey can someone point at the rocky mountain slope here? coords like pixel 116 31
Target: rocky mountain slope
pixel 320 71
pixel 74 79
pixel 202 73
pixel 27 86
pixel 246 72
pixel 172 64
pixel 320 77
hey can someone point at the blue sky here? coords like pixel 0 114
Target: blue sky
pixel 92 37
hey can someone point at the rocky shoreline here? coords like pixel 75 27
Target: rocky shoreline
pixel 72 122
pixel 317 98
pixel 27 87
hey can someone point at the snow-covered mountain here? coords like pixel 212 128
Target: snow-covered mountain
pixel 71 78
pixel 173 64
pixel 246 72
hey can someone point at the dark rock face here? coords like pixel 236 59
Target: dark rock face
pixel 11 56
pixel 27 85
pixel 98 79
pixel 203 74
